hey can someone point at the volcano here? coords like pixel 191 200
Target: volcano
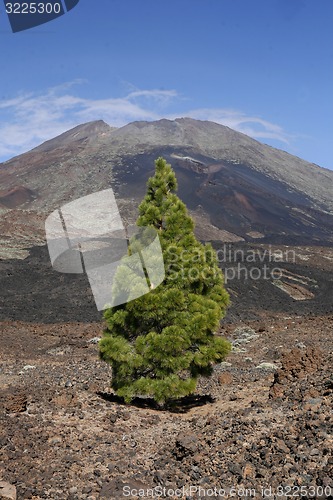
pixel 236 188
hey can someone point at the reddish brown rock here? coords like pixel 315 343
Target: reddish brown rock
pixel 225 378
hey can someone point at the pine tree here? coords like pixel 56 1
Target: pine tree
pixel 160 343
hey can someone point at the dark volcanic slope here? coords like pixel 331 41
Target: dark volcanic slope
pixel 236 197
pixel 30 290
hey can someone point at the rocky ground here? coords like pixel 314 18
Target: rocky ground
pixel 260 427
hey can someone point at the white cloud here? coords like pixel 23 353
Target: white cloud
pixel 250 125
pixel 31 118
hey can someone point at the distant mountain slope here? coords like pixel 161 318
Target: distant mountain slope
pixel 222 143
pixel 236 187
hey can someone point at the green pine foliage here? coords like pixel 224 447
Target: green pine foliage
pixel 160 343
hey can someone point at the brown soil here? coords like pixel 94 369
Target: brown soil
pixel 65 436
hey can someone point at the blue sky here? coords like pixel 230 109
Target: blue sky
pixel 263 67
